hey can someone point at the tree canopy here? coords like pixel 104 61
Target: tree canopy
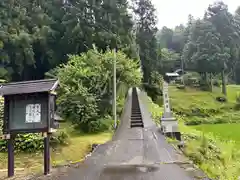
pixel 36 36
pixel 86 92
pixel 210 45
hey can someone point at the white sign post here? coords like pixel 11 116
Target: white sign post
pixel 33 113
pixel 169 124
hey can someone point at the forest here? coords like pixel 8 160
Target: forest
pixel 36 36
pixel 208 46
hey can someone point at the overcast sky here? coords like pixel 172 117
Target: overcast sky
pixel 174 12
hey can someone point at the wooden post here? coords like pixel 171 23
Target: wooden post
pixel 10 156
pixel 114 91
pixel 46 153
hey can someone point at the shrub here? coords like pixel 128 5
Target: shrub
pixel 181 87
pixel 153 91
pixel 86 88
pixel 1 113
pixel 34 142
pixel 217 83
pixel 221 99
pixel 205 86
pixel 60 138
pixel 191 79
pixel 100 125
pixel 178 81
pixel 217 158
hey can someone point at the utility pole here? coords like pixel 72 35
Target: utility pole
pixel 182 66
pixel 114 91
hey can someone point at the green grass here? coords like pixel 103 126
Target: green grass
pixel 189 98
pixel 78 147
pixel 218 158
pixel 233 90
pixel 213 147
pixel 224 131
pixel 201 107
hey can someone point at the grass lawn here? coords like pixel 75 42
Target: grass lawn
pixel 202 107
pixel 217 151
pixel 78 147
pixel 189 98
pixel 223 131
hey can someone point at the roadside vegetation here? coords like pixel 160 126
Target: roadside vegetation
pixel 210 129
pixel 212 147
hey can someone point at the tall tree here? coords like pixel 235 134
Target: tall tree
pixel 146 36
pixel 165 37
pixel 204 50
pixel 228 29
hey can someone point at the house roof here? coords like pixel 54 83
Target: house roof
pixel 26 87
pixel 172 74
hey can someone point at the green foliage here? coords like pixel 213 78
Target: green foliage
pixel 86 92
pixel 37 36
pixel 154 87
pixel 169 60
pixel 34 142
pixel 181 87
pixel 1 113
pixel 217 83
pixel 146 21
pixel 192 79
pixel 219 158
pixel 154 109
pixel 173 39
pixel 153 91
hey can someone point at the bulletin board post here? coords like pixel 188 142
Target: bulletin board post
pixel 29 107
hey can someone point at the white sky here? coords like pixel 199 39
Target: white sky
pixel 174 12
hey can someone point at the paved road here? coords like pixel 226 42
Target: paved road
pixel 133 154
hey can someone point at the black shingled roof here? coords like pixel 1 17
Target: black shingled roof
pixel 25 87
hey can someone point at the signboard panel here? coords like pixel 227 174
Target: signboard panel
pixel 33 113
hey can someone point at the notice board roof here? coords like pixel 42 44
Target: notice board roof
pixel 27 87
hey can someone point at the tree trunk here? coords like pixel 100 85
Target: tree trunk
pixel 205 78
pixel 211 82
pixel 224 89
